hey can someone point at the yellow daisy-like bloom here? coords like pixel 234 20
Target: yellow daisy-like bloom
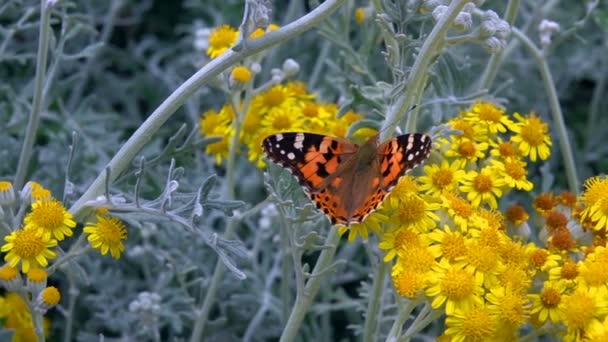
pixel 483 262
pixel 372 222
pixel 511 308
pixel 516 215
pixel 220 149
pixel 476 324
pixel 417 259
pixel 482 187
pixel 514 173
pixel 567 272
pixel 593 271
pixel 542 259
pixel 107 234
pixel 515 279
pixel 466 151
pixel 397 240
pixel 468 130
pixel 278 96
pixel 532 137
pixel 50 296
pixel 594 199
pixel 359 15
pixel 7 193
pixel 221 39
pixel 52 218
pixel 503 149
pixel 597 332
pixel 490 116
pixel 412 210
pixel 581 309
pixel 545 304
pixel 439 178
pixel 282 120
pixel 211 119
pixel 453 286
pixel 38 192
pixel 447 244
pixel 409 283
pixel 241 74
pixel 458 208
pixel 30 246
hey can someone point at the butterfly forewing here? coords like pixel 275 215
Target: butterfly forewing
pixel 312 158
pixel 401 154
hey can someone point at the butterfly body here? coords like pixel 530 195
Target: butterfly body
pixel 345 180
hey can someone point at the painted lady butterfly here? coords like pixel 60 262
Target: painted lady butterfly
pixel 345 180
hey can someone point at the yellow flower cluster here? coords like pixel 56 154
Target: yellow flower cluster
pixel 49 223
pixel 225 36
pixel 15 315
pixel 449 245
pixel 281 108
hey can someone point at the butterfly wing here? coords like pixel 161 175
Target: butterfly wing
pixel 394 159
pixel 401 154
pixel 312 158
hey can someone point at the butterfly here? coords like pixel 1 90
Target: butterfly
pixel 345 180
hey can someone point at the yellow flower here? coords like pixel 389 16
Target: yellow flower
pixel 409 283
pixel 52 218
pixel 282 120
pixel 516 215
pixel 482 187
pixel 511 308
pixel 50 296
pixel 541 259
pixel 466 151
pixel 545 304
pixel 417 259
pixel 447 244
pixel 439 178
pixel 241 74
pixel 220 149
pixel 503 149
pixel 483 262
pixel 597 332
pixel 489 116
pixel 581 309
pixel 7 193
pixel 398 240
pixel 372 222
pixel 593 270
pixel 278 96
pixel 359 15
pixel 453 286
pixel 458 208
pixel 514 173
pixel 30 246
pixel 221 39
pixel 107 234
pixel 532 137
pixel 410 210
pixel 475 323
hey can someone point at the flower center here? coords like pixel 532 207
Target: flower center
pixel 596 273
pixel 550 298
pixel 274 97
pixel 408 283
pixel 515 169
pixel 411 210
pixel 442 178
pixel 534 131
pixel 538 258
pixel 28 243
pixel 467 149
pixel 569 271
pixel 47 214
pixel 506 149
pixel 310 110
pixel 482 183
pixel 281 122
pixel 477 325
pixel 458 284
pixel 111 231
pixel 490 113
pixel 223 37
pixel 405 239
pixel 453 246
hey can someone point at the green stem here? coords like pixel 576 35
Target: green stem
pixel 373 306
pixel 206 74
pixel 489 74
pixel 72 293
pixel 416 80
pixel 404 314
pixel 425 317
pixel 556 110
pixel 34 119
pixel 304 300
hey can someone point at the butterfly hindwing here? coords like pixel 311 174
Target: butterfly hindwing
pixel 401 154
pixel 312 158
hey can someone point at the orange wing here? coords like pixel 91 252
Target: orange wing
pixel 401 154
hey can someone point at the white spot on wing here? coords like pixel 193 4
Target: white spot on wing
pixel 290 155
pixel 299 141
pixel 279 137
